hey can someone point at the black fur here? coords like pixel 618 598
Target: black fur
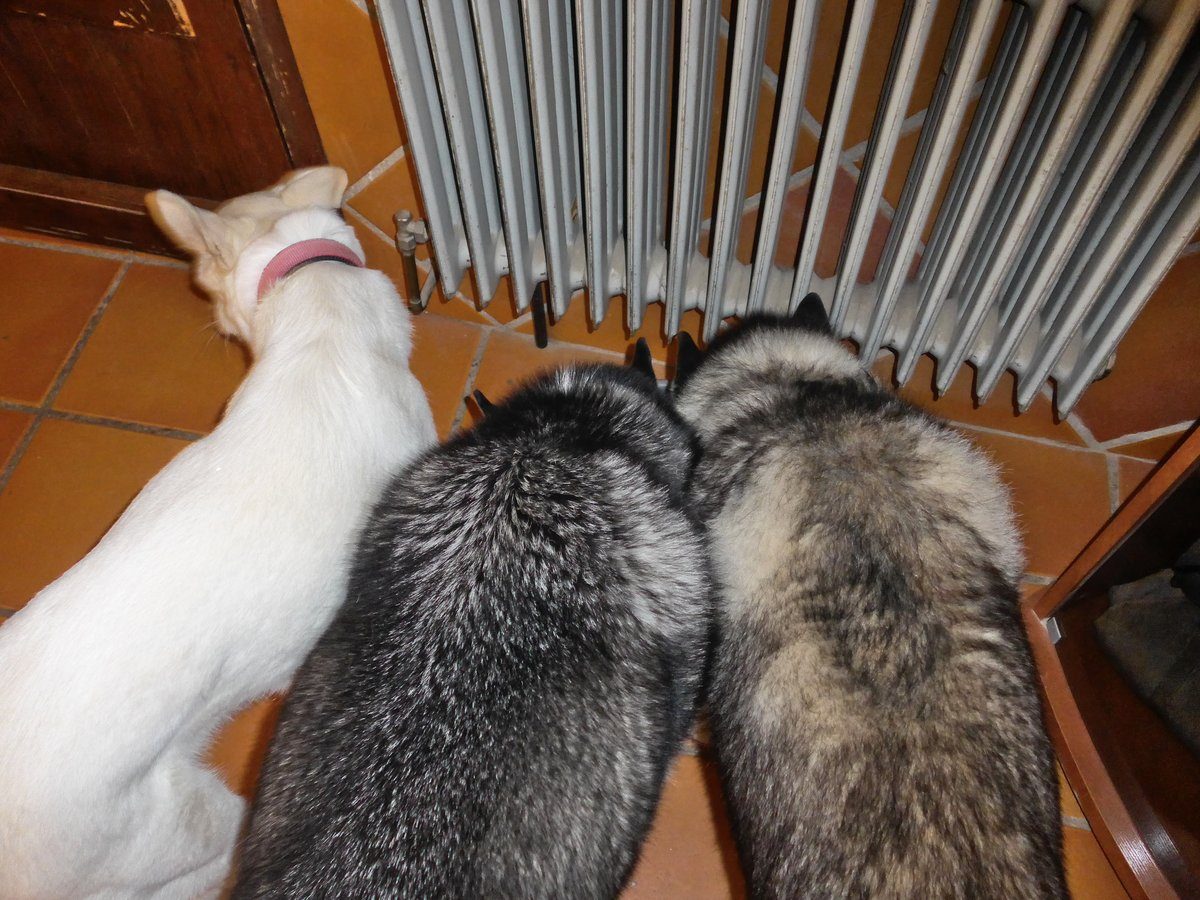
pixel 492 712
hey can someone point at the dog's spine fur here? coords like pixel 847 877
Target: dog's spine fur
pixel 874 708
pixel 492 712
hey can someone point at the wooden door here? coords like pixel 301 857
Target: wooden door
pixel 103 100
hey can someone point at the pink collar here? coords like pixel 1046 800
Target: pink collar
pixel 301 253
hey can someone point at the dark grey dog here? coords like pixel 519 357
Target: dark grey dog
pixel 873 702
pixel 492 712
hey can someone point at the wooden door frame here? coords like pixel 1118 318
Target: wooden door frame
pixel 114 214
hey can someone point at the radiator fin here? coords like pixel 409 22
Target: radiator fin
pixel 571 143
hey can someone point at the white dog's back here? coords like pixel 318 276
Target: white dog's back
pixel 205 595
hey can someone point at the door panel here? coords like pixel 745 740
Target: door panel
pixel 103 100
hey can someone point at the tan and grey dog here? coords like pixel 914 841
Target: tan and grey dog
pixel 873 700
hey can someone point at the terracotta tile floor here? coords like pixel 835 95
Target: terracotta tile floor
pixel 109 365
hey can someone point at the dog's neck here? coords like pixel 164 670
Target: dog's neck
pixel 295 256
pixel 264 262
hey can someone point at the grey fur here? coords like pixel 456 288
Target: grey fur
pixel 873 703
pixel 492 712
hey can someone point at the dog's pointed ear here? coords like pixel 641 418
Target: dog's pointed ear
pixel 485 405
pixel 195 230
pixel 642 360
pixel 811 316
pixel 687 359
pixel 321 186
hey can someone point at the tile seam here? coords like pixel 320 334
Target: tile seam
pixel 43 409
pixel 373 174
pixel 1073 420
pixel 18 453
pixel 62 415
pixel 94 252
pixel 1114 482
pixel 1135 437
pixel 93 321
pixel 985 429
pixel 571 345
pixel 460 412
pixel 1079 824
pixel 166 431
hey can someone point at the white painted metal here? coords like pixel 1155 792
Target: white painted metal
pixel 453 43
pixel 1177 221
pixel 1103 40
pixel 832 138
pixel 925 175
pixel 1153 175
pixel 550 55
pixel 429 148
pixel 600 31
pixel 1015 94
pixel 749 40
pixel 502 61
pixel 885 134
pixel 1164 53
pixel 648 102
pixel 693 114
pixel 787 130
pixel 574 147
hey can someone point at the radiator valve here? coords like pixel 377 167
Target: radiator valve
pixel 409 233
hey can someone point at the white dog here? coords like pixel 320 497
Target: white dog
pixel 215 583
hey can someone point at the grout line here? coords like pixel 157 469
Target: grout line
pixel 1114 482
pixel 18 453
pixel 520 320
pixel 371 226
pixel 1063 445
pixel 690 747
pixel 1141 459
pixel 461 412
pixel 1073 420
pixel 848 159
pixel 571 345
pixel 1076 822
pixel 473 372
pixel 86 419
pixel 95 252
pixel 121 425
pixel 1137 437
pixel 40 411
pixel 92 322
pixel 373 173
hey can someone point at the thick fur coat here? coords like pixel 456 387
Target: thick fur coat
pixel 214 584
pixel 874 709
pixel 492 712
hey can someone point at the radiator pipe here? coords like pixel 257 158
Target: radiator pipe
pixel 541 325
pixel 408 234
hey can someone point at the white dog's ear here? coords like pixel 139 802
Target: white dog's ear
pixel 193 229
pixel 318 186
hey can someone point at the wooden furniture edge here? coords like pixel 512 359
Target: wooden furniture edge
pixel 1112 824
pixel 1127 518
pixel 1119 838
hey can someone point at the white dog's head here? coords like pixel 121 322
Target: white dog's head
pixel 216 239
